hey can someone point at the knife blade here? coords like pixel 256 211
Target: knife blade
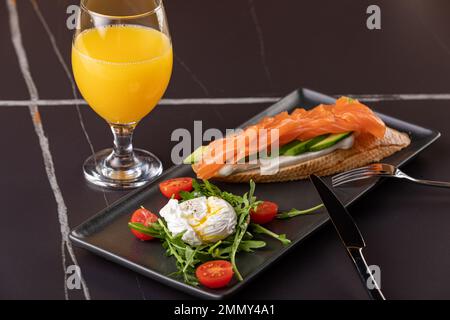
pixel 350 236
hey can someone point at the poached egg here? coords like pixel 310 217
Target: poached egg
pixel 203 220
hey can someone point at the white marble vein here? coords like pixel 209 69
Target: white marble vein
pixel 262 47
pixel 163 102
pixel 69 77
pixel 232 101
pixel 193 75
pixel 77 101
pixel 141 291
pixel 16 38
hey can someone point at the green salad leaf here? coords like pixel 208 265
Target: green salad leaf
pixel 294 212
pixel 242 240
pixel 261 230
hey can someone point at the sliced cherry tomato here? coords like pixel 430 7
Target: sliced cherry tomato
pixel 172 187
pixel 215 274
pixel 264 213
pixel 145 217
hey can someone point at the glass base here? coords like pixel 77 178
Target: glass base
pixel 144 168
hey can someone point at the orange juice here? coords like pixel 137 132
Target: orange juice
pixel 122 70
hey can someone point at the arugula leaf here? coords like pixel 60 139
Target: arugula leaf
pixel 186 195
pixel 188 257
pixel 247 202
pixel 210 189
pixel 294 212
pixel 260 229
pixel 249 245
pixel 145 230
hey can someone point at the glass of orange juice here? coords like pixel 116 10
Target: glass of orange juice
pixel 122 62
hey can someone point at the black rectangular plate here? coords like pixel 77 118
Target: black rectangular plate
pixel 107 233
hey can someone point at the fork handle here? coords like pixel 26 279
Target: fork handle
pixel 440 184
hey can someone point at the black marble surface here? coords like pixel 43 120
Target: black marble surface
pixel 229 49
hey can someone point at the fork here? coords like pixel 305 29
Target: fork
pixel 380 170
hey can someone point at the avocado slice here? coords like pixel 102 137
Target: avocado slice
pixel 286 147
pixel 331 140
pixel 195 156
pixel 298 147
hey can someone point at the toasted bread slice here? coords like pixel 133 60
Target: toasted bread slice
pixel 366 149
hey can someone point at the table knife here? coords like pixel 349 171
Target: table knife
pixel 350 235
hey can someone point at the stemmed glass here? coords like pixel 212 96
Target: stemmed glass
pixel 122 62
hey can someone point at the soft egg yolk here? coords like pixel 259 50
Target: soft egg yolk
pixel 210 211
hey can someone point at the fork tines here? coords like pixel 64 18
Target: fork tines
pixel 373 170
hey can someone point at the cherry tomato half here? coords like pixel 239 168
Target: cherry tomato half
pixel 215 274
pixel 264 213
pixel 172 187
pixel 145 217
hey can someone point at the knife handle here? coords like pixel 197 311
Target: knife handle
pixel 365 274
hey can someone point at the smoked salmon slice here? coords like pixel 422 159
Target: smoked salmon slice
pixel 343 116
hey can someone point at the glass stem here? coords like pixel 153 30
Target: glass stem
pixel 122 157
